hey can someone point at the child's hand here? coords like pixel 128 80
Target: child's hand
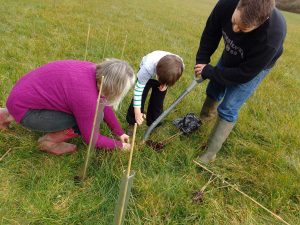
pixel 163 87
pixel 139 116
pixel 126 147
pixel 124 138
pixel 198 69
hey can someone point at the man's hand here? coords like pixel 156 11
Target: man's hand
pixel 198 69
pixel 139 116
pixel 124 138
pixel 162 87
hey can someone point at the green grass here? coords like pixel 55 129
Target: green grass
pixel 289 5
pixel 261 156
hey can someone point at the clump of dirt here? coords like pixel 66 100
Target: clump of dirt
pixel 77 180
pixel 156 145
pixel 198 197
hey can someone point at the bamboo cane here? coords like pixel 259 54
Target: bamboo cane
pixel 119 214
pixel 168 139
pixel 107 35
pixel 131 150
pixel 6 153
pixel 93 131
pixel 123 49
pixel 87 41
pixel 241 192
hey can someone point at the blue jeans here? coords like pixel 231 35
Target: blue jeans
pixel 232 97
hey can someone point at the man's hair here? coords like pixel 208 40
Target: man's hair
pixel 255 12
pixel 169 69
pixel 118 78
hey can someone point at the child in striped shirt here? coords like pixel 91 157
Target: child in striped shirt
pixel 167 68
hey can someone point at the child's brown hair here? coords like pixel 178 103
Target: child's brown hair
pixel 169 69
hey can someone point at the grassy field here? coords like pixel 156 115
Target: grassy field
pixel 261 156
pixel 289 5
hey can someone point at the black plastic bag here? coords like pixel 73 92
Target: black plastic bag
pixel 187 124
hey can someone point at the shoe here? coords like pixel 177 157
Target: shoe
pixel 57 148
pixel 60 136
pixel 5 118
pixel 54 142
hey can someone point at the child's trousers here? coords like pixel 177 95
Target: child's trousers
pixel 155 106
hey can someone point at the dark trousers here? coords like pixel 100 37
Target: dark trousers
pixel 155 106
pixel 48 121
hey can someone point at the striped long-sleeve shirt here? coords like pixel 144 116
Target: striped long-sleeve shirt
pixel 146 72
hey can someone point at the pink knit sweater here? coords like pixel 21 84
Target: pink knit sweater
pixel 68 86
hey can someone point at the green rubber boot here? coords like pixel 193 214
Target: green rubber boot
pixel 217 137
pixel 209 110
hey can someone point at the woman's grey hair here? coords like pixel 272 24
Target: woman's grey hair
pixel 118 76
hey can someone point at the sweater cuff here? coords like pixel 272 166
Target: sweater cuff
pixel 104 142
pixel 119 132
pixel 207 72
pixel 202 60
pixel 119 144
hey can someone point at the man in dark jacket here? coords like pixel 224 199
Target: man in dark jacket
pixel 253 33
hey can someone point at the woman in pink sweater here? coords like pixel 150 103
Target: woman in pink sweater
pixel 60 98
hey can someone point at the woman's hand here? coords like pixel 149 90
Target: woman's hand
pixel 126 147
pixel 124 138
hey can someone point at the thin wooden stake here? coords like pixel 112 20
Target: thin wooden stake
pixel 87 42
pixel 107 35
pixel 93 131
pixel 6 153
pixel 168 139
pixel 131 150
pixel 208 183
pixel 241 192
pixel 123 49
pixel 128 174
